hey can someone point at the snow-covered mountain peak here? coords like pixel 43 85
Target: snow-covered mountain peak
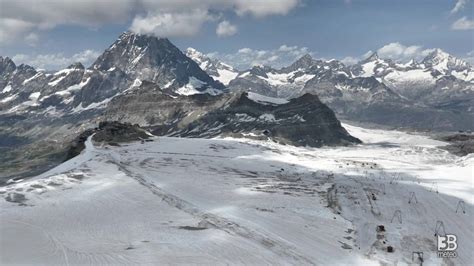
pixel 305 62
pixel 194 54
pixel 215 68
pixel 153 59
pixel 411 63
pixel 373 57
pixel 130 36
pixel 436 56
pixel 442 61
pixel 129 49
pixel 204 62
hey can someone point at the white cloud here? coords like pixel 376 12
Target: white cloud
pixel 261 8
pixel 367 54
pixel 244 50
pixel 86 57
pixel 394 51
pixel 56 61
pixel 49 13
pixel 162 17
pixel 245 58
pixel 463 24
pixel 286 48
pixel 399 52
pixel 20 18
pixel 31 38
pixel 225 28
pixel 349 60
pixel 170 24
pixel 460 4
pixel 170 18
pixel 11 29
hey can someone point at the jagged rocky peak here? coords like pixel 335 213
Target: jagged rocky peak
pixel 154 59
pixel 6 65
pixel 131 49
pixel 441 60
pixel 77 65
pixel 215 68
pixel 435 57
pixel 304 62
pixel 412 63
pixel 373 57
pixel 260 70
pixel 194 54
pixel 206 63
pixel 335 64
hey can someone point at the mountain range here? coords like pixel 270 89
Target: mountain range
pixel 434 94
pixel 148 81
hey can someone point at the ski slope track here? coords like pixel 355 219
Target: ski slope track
pixel 240 201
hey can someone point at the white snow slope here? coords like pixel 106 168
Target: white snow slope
pixel 237 201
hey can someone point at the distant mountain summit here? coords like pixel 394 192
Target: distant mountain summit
pixel 444 62
pixel 372 57
pixel 304 62
pixel 215 68
pixel 157 60
pixel 437 62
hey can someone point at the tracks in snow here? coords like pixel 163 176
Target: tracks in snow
pixel 277 246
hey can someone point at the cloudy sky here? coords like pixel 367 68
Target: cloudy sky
pixel 53 33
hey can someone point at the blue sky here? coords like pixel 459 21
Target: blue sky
pixel 53 33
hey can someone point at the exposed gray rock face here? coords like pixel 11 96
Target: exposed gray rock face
pixel 108 133
pixel 460 144
pixel 8 70
pixel 156 60
pixel 254 80
pixel 303 121
pixel 152 107
pixel 444 62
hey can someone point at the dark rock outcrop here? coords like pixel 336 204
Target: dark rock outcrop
pixel 110 132
pixel 303 121
pixel 461 144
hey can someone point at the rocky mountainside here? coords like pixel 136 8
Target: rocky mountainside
pixel 302 121
pixel 157 60
pixel 128 62
pixel 216 69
